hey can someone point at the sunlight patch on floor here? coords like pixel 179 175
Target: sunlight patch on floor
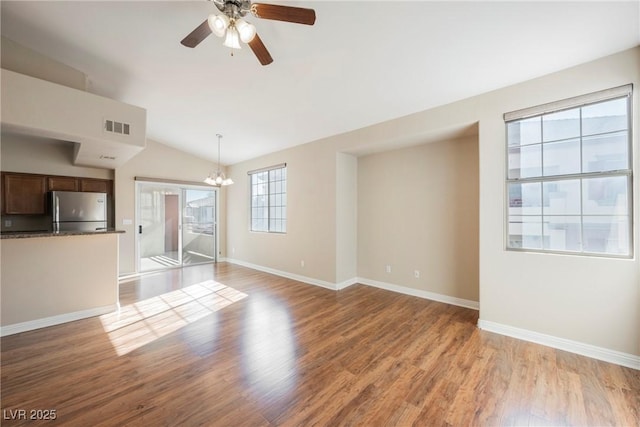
pixel 143 322
pixel 269 350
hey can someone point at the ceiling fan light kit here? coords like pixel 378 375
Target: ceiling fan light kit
pixel 232 40
pixel 247 31
pixel 233 30
pixel 230 25
pixel 218 24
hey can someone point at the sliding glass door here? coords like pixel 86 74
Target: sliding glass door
pixel 198 226
pixel 176 225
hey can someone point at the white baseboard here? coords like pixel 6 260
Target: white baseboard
pixel 376 284
pixel 346 283
pixel 420 293
pixel 55 320
pixel 600 353
pixel 299 278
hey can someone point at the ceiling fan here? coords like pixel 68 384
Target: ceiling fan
pixel 231 25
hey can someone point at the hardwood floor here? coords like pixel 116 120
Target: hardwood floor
pixel 229 346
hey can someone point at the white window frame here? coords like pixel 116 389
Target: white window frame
pixel 556 107
pixel 282 217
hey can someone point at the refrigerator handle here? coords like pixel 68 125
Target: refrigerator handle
pixel 139 229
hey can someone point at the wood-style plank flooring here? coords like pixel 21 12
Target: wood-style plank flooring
pixel 225 345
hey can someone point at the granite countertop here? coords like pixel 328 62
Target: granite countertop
pixel 44 233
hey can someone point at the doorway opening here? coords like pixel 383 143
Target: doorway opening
pixel 176 225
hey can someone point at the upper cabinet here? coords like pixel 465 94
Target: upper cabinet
pixel 62 183
pixel 24 194
pixel 95 185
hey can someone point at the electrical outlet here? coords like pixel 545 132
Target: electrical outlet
pixel 8 223
pixel 387 268
pixel 302 263
pixel 233 251
pixel 416 274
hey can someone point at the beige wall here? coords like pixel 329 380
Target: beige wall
pixel 311 215
pixel 29 154
pixel 346 218
pixel 71 115
pixel 27 75
pixel 23 60
pixel 595 301
pixel 418 210
pixel 76 276
pixel 161 162
pixel 584 299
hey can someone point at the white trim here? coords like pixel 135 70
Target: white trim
pixel 133 276
pixel 268 168
pixel 45 322
pixel 600 353
pixel 577 101
pixel 346 283
pixel 169 181
pixel 368 282
pixel 299 278
pixel 474 305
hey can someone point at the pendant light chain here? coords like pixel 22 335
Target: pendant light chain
pixel 219 137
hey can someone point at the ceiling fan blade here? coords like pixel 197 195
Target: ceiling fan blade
pixel 260 50
pixel 298 15
pixel 196 36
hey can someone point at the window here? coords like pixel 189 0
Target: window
pixel 269 199
pixel 569 176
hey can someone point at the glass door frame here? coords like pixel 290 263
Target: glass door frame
pixel 178 187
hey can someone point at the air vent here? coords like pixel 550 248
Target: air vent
pixel 116 127
pixel 107 157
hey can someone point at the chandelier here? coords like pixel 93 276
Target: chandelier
pixel 218 179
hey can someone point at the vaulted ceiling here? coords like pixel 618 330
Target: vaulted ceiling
pixel 361 63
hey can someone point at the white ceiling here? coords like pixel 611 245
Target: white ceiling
pixel 361 63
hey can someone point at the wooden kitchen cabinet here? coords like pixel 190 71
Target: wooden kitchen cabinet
pixel 24 194
pixel 95 185
pixel 62 183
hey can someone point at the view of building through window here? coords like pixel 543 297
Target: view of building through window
pixel 569 180
pixel 200 215
pixel 269 200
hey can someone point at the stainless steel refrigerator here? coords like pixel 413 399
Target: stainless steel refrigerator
pixel 78 211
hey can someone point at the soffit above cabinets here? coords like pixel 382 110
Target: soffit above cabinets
pixel 107 133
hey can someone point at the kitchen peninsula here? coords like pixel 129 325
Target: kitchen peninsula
pixel 49 278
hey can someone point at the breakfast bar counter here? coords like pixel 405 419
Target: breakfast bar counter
pixel 42 233
pixel 49 278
